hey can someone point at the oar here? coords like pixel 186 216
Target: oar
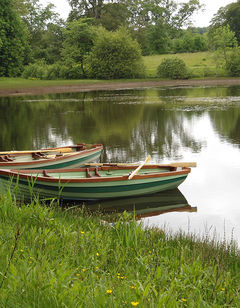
pixel 63 150
pixel 176 164
pixel 182 164
pixel 139 167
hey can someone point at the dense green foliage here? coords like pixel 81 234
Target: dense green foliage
pixel 189 42
pixel 51 257
pixel 233 64
pixel 34 35
pixel 153 23
pixel 45 31
pixel 173 68
pixel 41 70
pixel 228 15
pixel 79 39
pixel 115 55
pixel 13 40
pixel 222 42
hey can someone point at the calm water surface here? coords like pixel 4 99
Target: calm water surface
pixel 170 124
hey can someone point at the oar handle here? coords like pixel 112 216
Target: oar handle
pixel 139 167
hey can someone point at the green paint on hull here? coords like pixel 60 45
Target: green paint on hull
pixel 92 191
pixel 65 164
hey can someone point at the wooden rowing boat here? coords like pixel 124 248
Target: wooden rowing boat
pixel 93 183
pixel 51 158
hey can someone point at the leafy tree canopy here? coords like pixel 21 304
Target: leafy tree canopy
pixel 79 37
pixel 13 40
pixel 137 13
pixel 222 40
pixel 45 30
pixel 228 15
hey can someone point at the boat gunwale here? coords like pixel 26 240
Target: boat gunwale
pixel 11 164
pixel 38 175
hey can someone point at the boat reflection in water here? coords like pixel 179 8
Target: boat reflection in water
pixel 145 206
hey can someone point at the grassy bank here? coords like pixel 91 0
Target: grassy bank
pixel 201 64
pixel 19 83
pixel 51 257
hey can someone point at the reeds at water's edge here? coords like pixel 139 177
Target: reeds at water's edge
pixel 67 257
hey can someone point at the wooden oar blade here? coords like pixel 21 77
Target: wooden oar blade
pixel 183 164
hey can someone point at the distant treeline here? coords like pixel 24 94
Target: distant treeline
pixel 101 39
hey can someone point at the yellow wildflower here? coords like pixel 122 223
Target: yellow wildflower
pixel 82 232
pixel 109 291
pixel 134 303
pixel 97 254
pixel 84 269
pixel 223 289
pixel 133 287
pixel 78 274
pixel 184 299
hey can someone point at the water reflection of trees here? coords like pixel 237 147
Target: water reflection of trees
pixel 160 132
pixel 227 124
pixel 130 124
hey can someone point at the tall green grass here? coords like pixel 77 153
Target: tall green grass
pixel 54 257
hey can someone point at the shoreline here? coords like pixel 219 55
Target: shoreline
pixel 118 85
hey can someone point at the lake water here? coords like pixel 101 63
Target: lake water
pixel 199 124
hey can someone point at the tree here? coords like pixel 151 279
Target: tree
pixel 153 23
pixel 222 40
pixel 79 37
pixel 45 30
pixel 233 65
pixel 189 42
pixel 85 8
pixel 158 38
pixel 115 55
pixel 228 15
pixel 13 37
pixel 137 13
pixel 114 16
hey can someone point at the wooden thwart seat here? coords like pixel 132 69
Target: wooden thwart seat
pixel 89 175
pixel 38 155
pixel 5 158
pixel 45 174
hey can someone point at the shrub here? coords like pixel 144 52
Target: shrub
pixel 35 70
pixel 173 68
pixel 115 55
pixel 41 70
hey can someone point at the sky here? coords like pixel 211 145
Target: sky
pixel 201 19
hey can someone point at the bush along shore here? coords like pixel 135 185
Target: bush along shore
pixel 68 257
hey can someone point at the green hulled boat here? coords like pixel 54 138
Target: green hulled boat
pixel 92 183
pixel 51 158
